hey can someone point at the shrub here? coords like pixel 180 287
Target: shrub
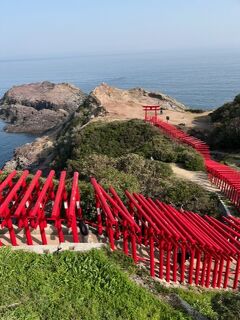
pixel 227 305
pixel 121 154
pixel 191 160
pixel 90 165
pixel 159 148
pixel 140 167
pixel 226 121
pixel 237 99
pixel 190 196
pixel 116 139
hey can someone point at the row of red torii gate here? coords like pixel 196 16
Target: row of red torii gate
pixel 178 246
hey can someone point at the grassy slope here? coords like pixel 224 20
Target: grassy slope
pixel 120 153
pixel 119 138
pixel 95 285
pixel 213 304
pixel 73 286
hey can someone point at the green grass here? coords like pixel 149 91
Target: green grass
pixel 213 304
pixel 96 285
pixel 72 285
pixel 199 299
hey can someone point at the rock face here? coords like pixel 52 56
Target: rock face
pixel 38 107
pixel 126 104
pixel 41 106
pixel 40 153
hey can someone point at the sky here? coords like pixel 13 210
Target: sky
pixel 71 27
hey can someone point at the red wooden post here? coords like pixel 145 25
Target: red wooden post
pixel 197 267
pixel 72 208
pixel 161 256
pixel 151 245
pixel 235 284
pixel 192 256
pixel 220 271
pixel 215 270
pixel 134 247
pixel 61 196
pixel 168 262
pixel 227 271
pixel 183 257
pixel 125 237
pixel 21 212
pixel 208 270
pixel 37 213
pixel 175 264
pixel 5 211
pixel 110 236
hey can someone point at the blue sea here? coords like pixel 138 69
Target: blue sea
pixel 198 79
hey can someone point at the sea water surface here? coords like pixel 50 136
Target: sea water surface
pixel 198 79
pixel 10 141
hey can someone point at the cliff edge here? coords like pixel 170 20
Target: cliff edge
pixel 38 107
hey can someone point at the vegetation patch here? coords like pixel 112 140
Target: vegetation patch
pixel 213 304
pixel 118 138
pixel 72 285
pixel 226 120
pixel 132 155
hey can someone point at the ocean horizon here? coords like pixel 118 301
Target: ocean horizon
pixel 202 80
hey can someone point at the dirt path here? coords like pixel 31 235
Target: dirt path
pixel 198 177
pixel 201 179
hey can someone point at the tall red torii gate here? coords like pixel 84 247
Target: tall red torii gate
pixel 150 109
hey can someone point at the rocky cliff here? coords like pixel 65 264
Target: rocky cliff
pixel 38 107
pixel 127 104
pixel 104 102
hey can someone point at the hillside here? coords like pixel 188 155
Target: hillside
pixel 132 155
pixel 226 126
pixel 104 103
pixel 98 285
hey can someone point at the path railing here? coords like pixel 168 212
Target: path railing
pixel 175 246
pixel 178 246
pixel 224 177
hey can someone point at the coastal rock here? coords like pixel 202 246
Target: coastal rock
pixel 33 156
pixel 40 153
pixel 126 104
pixel 103 103
pixel 38 107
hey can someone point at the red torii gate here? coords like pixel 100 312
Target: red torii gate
pixel 227 179
pixel 151 109
pixel 165 235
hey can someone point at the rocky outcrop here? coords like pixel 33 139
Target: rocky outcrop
pixel 126 104
pixel 38 107
pixel 27 108
pixel 41 153
pixel 36 155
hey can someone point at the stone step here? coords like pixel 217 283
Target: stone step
pixel 41 249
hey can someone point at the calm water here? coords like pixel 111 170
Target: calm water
pixel 203 80
pixel 10 141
